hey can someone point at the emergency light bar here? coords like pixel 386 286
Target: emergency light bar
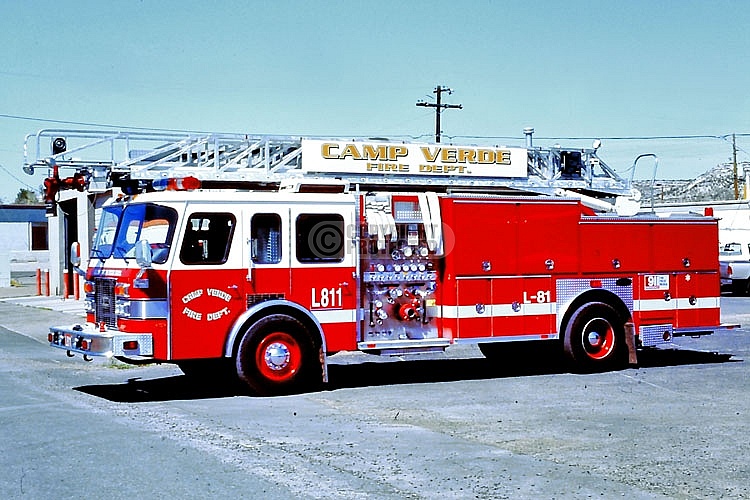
pixel 176 184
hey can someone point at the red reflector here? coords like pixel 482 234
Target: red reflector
pixel 708 211
pixel 595 283
pixel 50 337
pixel 130 345
pixel 85 345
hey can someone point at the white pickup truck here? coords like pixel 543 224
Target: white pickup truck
pixel 734 261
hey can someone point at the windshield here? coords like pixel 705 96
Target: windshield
pixel 105 232
pixel 119 230
pixel 731 249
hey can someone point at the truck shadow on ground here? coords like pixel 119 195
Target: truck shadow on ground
pixel 370 374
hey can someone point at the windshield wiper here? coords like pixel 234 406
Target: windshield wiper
pixel 99 254
pixel 122 251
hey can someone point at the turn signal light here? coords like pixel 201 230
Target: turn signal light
pixel 122 289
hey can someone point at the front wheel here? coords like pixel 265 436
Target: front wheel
pixel 594 338
pixel 277 356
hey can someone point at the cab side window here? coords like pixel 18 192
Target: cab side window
pixel 265 231
pixel 207 239
pixel 320 238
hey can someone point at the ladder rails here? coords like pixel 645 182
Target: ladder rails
pixel 110 158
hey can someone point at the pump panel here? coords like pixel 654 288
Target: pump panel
pixel 399 272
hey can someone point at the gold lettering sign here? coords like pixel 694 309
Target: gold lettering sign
pixel 397 159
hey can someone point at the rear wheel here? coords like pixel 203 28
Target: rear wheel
pixel 595 337
pixel 277 356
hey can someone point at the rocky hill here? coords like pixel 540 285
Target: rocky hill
pixel 714 185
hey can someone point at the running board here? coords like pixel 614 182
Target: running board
pixel 400 347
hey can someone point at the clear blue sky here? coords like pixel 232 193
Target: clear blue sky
pixel 576 69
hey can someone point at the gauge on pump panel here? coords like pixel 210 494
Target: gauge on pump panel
pixel 413 268
pixel 407 251
pixel 397 268
pixel 396 255
pixel 424 251
pixel 421 268
pixel 380 268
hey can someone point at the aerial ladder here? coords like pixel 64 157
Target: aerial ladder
pixel 135 161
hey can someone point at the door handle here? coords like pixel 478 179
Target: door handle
pixel 234 291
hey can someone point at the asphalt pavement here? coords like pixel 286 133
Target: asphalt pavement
pixel 456 427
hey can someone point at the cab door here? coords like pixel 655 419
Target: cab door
pixel 324 256
pixel 207 282
pixel 269 269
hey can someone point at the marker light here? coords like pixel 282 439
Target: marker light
pixel 122 289
pixel 130 345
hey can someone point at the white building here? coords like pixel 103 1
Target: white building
pixel 24 241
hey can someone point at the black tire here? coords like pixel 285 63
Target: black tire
pixel 740 287
pixel 594 338
pixel 276 355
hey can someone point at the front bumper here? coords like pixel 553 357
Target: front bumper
pixel 89 340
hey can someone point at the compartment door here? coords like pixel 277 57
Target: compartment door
pixel 474 309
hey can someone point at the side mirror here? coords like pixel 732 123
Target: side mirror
pixel 75 254
pixel 75 258
pixel 143 254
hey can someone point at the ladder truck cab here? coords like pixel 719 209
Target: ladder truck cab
pixel 270 254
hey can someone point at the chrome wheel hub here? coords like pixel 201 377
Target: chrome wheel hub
pixel 277 356
pixel 595 339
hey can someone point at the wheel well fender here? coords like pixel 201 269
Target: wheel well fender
pixel 589 296
pixel 258 311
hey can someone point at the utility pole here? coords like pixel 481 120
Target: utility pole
pixel 734 164
pixel 439 107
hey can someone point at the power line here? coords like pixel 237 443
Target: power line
pixel 85 124
pixel 725 137
pixel 612 138
pixel 13 176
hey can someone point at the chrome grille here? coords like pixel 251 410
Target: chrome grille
pixel 105 301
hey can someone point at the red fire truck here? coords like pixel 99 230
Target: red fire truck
pixel 274 254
